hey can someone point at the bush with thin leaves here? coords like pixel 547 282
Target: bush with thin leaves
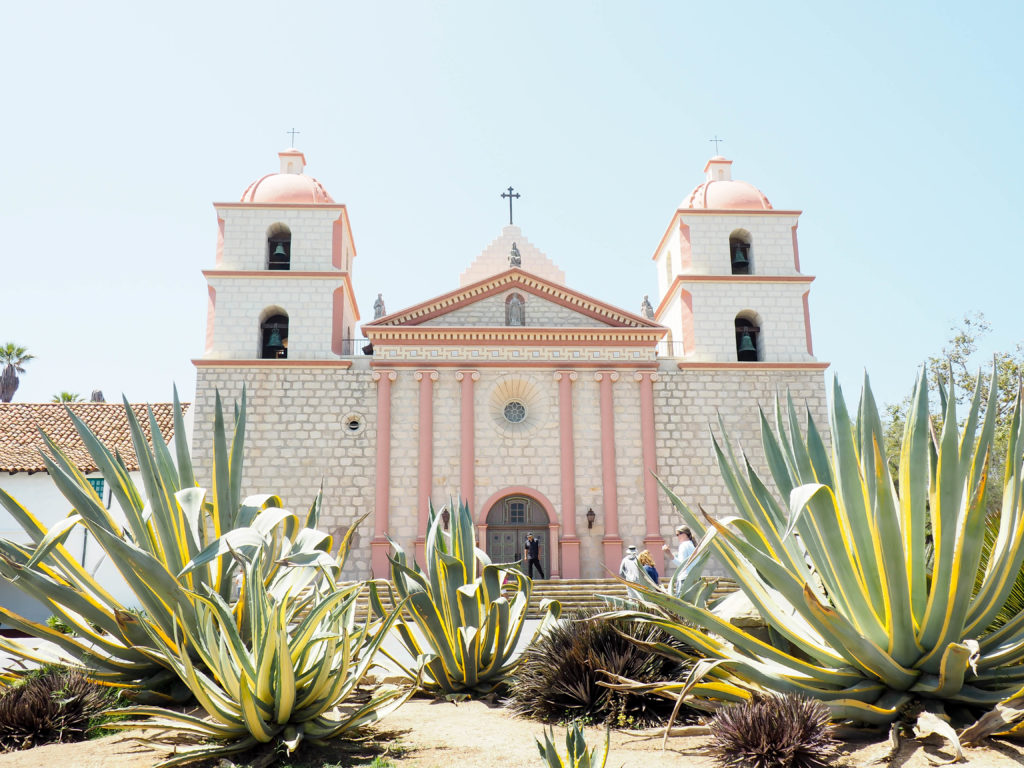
pixel 576 753
pixel 770 731
pixel 561 673
pixel 50 705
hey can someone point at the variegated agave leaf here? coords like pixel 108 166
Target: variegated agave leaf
pixel 872 582
pixel 469 612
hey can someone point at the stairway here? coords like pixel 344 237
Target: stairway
pixel 573 594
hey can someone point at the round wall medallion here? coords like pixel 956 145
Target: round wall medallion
pixel 353 424
pixel 519 404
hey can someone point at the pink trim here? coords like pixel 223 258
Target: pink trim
pixel 200 362
pixel 436 335
pixel 338 241
pixel 609 486
pixel 685 249
pixel 338 321
pixel 567 465
pixel 271 275
pixel 735 211
pixel 689 334
pixel 807 323
pixel 425 468
pixel 220 240
pixel 548 364
pixel 796 248
pixel 382 498
pixel 747 278
pixel 211 312
pixel 650 465
pixel 319 206
pixel 752 366
pixel 467 438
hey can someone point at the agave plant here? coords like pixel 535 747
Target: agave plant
pixel 469 628
pixel 872 583
pixel 274 681
pixel 576 754
pixel 173 544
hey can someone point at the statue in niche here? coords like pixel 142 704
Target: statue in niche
pixel 378 308
pixel 514 258
pixel 514 311
pixel 646 309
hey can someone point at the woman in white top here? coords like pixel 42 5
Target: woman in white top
pixel 683 551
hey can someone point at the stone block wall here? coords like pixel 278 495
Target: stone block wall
pixel 245 232
pixel 241 302
pixel 771 239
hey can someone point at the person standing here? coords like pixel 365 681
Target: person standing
pixel 647 562
pixel 629 569
pixel 683 552
pixel 531 553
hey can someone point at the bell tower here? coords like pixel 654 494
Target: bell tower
pixel 730 288
pixel 281 287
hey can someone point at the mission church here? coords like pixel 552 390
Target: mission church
pixel 547 410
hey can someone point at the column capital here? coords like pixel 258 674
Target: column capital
pixel 613 376
pixel 639 375
pixel 571 375
pixel 433 375
pixel 472 375
pixel 391 375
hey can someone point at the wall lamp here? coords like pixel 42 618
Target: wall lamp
pixel 591 517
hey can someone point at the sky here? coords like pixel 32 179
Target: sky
pixel 895 127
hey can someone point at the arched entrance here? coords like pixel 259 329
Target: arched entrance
pixel 508 521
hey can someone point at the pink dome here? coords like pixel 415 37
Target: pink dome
pixel 727 195
pixel 286 188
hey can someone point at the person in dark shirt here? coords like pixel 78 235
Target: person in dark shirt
pixel 531 553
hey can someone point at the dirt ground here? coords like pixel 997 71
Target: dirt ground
pixel 427 734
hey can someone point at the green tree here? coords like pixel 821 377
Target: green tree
pixel 66 397
pixel 959 361
pixel 13 359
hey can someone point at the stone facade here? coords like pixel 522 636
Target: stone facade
pixel 575 410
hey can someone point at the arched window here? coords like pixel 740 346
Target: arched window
pixel 274 336
pixel 515 310
pixel 740 256
pixel 279 247
pixel 748 340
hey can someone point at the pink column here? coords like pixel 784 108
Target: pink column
pixel 612 542
pixel 652 537
pixel 467 434
pixel 379 546
pixel 569 542
pixel 425 469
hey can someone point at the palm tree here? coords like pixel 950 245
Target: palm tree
pixel 67 397
pixel 13 358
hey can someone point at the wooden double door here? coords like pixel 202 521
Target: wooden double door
pixel 508 523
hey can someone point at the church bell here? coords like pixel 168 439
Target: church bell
pixel 746 349
pixel 279 252
pixel 739 257
pixel 275 340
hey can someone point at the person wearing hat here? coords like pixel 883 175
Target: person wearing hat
pixel 531 553
pixel 683 552
pixel 629 569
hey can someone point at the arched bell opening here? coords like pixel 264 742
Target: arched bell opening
pixel 748 340
pixel 509 520
pixel 279 247
pixel 274 335
pixel 740 253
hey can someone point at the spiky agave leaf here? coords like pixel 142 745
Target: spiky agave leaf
pixel 169 548
pixel 576 753
pixel 469 627
pixel 836 560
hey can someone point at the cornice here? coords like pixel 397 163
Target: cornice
pixel 221 363
pixel 753 367
pixel 514 336
pixel 275 274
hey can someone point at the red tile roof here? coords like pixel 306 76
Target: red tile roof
pixel 20 423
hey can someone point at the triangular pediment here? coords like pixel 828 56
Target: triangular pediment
pixel 545 304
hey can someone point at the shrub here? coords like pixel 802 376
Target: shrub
pixel 560 673
pixel 576 754
pixel 53 704
pixel 173 546
pixel 769 731
pixel 469 629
